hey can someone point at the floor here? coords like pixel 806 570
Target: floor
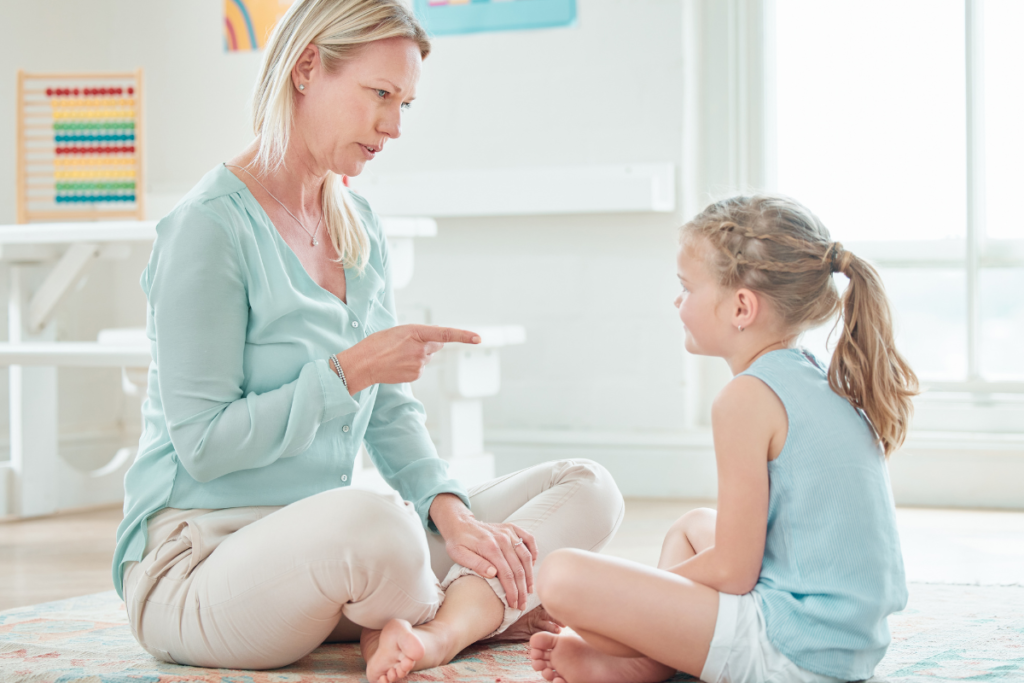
pixel 64 556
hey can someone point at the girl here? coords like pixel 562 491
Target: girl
pixel 793 578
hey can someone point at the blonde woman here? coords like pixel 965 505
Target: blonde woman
pixel 275 356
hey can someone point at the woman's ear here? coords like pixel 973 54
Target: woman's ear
pixel 746 308
pixel 307 64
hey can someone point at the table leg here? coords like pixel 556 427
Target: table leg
pixel 33 417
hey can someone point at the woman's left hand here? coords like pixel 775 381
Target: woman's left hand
pixel 502 550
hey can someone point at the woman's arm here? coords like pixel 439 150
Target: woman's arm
pixel 400 447
pixel 745 418
pixel 197 290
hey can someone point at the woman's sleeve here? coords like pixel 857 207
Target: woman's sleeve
pixel 397 438
pixel 198 294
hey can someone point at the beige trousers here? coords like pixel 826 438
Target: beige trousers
pixel 261 587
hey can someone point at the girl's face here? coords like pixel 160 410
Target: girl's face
pixel 345 118
pixel 703 304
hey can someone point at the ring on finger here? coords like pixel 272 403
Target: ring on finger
pixel 518 543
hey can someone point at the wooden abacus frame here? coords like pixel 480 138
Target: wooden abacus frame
pixel 30 127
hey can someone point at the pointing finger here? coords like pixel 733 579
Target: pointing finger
pixel 447 335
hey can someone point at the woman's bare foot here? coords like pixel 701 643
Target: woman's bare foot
pixel 535 621
pixel 390 653
pixel 567 658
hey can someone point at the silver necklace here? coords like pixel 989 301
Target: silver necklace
pixel 312 235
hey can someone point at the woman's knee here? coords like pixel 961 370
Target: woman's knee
pixel 599 493
pixel 377 525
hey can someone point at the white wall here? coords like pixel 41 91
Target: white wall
pixel 603 373
pixel 594 292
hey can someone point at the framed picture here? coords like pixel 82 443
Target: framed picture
pixel 446 17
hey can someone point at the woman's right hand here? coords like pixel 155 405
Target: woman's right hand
pixel 397 354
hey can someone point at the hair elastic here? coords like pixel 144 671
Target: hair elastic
pixel 834 256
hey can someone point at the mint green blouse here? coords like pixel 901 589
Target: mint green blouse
pixel 242 407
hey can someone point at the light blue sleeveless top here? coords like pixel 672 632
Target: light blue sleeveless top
pixel 832 569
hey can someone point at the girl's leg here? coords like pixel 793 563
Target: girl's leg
pixel 689 535
pixel 624 608
pixel 565 504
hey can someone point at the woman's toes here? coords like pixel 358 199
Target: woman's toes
pixel 397 651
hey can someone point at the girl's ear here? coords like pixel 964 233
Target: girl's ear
pixel 746 308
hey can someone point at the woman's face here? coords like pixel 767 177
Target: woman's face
pixel 344 118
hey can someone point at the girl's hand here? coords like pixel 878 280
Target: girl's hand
pixel 502 550
pixel 397 354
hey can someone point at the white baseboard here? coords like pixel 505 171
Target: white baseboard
pixel 933 469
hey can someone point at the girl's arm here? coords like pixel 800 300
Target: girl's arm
pixel 749 422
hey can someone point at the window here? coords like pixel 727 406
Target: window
pixel 898 123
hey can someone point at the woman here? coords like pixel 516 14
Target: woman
pixel 275 355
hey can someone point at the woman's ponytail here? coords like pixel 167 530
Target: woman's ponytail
pixel 866 368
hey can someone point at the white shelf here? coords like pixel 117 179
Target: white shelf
pixel 85 231
pixel 628 188
pixel 75 354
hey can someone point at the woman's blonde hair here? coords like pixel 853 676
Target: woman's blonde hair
pixel 338 28
pixel 777 248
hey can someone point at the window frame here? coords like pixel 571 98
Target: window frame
pixel 974 252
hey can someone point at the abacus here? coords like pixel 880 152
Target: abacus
pixel 79 147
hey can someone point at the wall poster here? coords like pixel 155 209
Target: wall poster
pixel 247 23
pixel 444 17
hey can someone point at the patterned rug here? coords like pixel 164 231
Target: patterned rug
pixel 947 633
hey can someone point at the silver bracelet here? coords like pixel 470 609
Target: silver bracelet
pixel 339 371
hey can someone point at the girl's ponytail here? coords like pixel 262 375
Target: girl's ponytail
pixel 866 368
pixel 775 246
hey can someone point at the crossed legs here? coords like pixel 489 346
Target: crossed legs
pixel 569 503
pixel 632 623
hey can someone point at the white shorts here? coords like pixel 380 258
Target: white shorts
pixel 741 652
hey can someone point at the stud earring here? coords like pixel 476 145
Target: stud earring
pixel 739 327
pixel 301 87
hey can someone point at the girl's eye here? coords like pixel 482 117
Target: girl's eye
pixel 406 106
pixel 382 93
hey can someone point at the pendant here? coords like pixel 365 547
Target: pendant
pixel 314 242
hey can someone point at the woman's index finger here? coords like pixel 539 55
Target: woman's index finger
pixel 450 334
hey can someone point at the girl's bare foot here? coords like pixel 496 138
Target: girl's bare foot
pixel 390 653
pixel 567 658
pixel 535 621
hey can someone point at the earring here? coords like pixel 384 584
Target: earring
pixel 301 87
pixel 739 327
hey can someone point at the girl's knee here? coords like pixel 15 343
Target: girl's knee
pixel 558 575
pixel 698 522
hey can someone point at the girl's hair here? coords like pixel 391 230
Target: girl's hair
pixel 338 29
pixel 776 247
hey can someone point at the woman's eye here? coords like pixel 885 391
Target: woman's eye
pixel 382 93
pixel 406 105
